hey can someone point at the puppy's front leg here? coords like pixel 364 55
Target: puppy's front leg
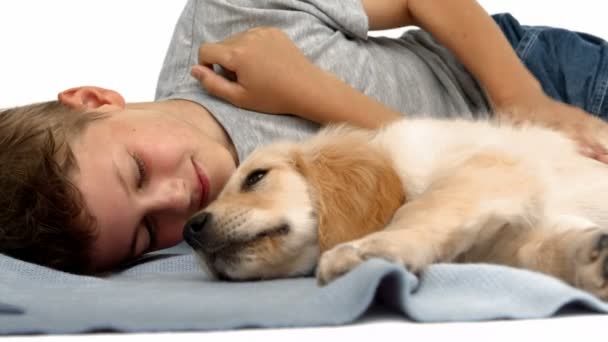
pixel 461 209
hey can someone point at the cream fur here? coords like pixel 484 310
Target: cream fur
pixel 418 191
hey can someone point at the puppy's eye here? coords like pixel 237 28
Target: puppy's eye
pixel 253 178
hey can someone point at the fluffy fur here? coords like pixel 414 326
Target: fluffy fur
pixel 417 192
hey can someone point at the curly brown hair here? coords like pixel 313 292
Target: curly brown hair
pixel 42 215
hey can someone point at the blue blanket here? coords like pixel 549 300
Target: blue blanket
pixel 168 292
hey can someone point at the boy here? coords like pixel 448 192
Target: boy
pixel 90 181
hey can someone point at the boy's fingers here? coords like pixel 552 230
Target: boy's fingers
pixel 218 85
pixel 218 53
pixel 200 71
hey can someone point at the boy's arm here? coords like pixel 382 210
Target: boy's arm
pixel 467 30
pixel 460 25
pixel 275 77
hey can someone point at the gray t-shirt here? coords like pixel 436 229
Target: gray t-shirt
pixel 412 74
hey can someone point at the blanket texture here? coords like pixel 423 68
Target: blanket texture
pixel 168 292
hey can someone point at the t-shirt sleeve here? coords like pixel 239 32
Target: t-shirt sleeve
pixel 347 16
pixel 232 16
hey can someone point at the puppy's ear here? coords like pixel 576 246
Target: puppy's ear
pixel 299 161
pixel 354 186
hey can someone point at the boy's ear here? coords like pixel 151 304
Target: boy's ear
pixel 89 98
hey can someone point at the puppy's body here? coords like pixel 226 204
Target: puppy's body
pixel 416 192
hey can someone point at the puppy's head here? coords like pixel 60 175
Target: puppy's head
pixel 263 224
pixel 288 202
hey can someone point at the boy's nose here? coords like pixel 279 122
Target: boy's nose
pixel 172 194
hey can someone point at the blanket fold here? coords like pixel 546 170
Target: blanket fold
pixel 172 294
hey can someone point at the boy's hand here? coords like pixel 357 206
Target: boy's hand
pixel 269 72
pixel 590 132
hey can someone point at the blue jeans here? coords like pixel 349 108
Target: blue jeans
pixel 572 67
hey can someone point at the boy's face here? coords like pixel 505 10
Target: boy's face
pixel 142 174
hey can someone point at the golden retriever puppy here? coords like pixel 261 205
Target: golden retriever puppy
pixel 416 192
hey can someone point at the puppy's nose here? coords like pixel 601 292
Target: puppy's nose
pixel 195 228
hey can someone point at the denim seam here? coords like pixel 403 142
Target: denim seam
pixel 526 43
pixel 600 94
pixel 599 97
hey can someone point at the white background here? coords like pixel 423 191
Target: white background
pixel 47 46
pixel 50 45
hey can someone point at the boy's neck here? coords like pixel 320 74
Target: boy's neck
pixel 199 116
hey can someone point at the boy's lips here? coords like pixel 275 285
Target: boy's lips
pixel 203 187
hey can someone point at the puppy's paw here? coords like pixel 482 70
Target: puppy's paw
pixel 336 262
pixel 592 264
pixel 345 257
